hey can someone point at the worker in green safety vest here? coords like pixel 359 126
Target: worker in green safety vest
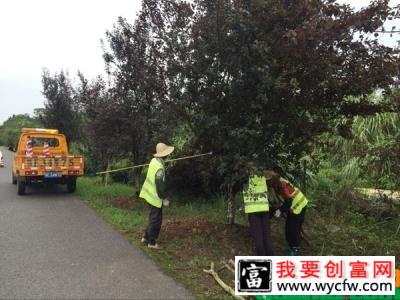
pixel 256 207
pixel 153 192
pixel 292 202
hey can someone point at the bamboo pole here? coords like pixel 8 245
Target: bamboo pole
pixel 143 165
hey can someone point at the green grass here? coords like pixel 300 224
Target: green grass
pixel 352 233
pixel 131 223
pixel 192 209
pixel 98 196
pixel 91 189
pixel 333 227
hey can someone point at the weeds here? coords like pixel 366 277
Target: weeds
pixel 194 233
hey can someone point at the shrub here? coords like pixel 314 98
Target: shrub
pixel 335 184
pixel 122 176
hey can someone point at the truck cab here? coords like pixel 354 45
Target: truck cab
pixel 42 155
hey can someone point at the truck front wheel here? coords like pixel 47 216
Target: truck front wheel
pixel 21 185
pixel 71 184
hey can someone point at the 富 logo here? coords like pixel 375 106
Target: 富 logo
pixel 254 275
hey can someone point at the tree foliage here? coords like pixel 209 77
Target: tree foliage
pixel 250 80
pixel 60 110
pixel 10 130
pixel 136 89
pixel 261 80
pixel 97 119
pixel 375 144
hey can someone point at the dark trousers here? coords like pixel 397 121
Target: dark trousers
pixel 154 225
pixel 293 227
pixel 260 229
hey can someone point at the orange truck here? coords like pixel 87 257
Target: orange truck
pixel 42 155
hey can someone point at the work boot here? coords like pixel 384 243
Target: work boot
pixel 154 246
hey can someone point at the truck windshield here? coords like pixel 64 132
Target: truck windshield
pixel 39 141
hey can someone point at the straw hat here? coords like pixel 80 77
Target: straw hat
pixel 163 150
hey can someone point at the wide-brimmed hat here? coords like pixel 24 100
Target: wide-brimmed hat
pixel 163 150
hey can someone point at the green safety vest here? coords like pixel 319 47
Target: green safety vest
pixel 255 196
pixel 149 190
pixel 299 201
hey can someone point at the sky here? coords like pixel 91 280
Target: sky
pixel 62 34
pixel 52 34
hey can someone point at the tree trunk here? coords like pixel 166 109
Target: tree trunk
pixel 136 180
pixel 103 166
pixel 107 175
pixel 137 159
pixel 230 201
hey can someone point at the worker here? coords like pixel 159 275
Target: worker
pixel 29 147
pixel 293 203
pixel 46 151
pixel 153 192
pixel 256 207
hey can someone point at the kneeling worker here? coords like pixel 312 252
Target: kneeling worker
pixel 256 207
pixel 153 191
pixel 294 204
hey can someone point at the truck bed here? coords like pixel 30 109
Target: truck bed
pixel 38 165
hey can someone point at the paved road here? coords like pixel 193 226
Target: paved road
pixel 53 246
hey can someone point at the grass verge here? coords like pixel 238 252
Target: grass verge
pixel 194 234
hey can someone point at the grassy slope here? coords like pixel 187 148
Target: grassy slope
pixel 193 234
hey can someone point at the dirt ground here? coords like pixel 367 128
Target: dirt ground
pixel 121 202
pixel 192 244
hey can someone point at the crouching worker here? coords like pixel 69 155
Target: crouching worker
pixel 153 191
pixel 256 207
pixel 294 205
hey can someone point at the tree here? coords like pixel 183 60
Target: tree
pixel 261 80
pixel 374 143
pixel 99 120
pixel 10 130
pixel 60 110
pixel 136 89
